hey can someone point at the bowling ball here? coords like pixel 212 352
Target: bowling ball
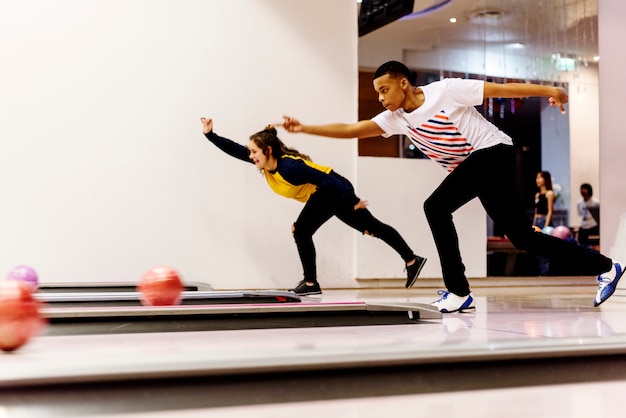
pixel 20 317
pixel 547 230
pixel 562 232
pixel 24 274
pixel 160 286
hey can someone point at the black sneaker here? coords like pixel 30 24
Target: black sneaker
pixel 413 271
pixel 304 289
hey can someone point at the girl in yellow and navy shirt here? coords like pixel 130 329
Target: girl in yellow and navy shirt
pixel 324 192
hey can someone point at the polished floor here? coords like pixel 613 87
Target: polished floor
pixel 533 347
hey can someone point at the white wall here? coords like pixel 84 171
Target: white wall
pixel 104 171
pixel 612 144
pixel 584 143
pixel 555 151
pixel 396 190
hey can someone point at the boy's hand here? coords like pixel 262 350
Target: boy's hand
pixel 291 124
pixel 559 99
pixel 207 125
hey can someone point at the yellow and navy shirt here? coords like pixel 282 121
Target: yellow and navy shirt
pixel 294 177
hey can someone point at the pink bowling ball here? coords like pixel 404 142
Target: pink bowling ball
pixel 562 232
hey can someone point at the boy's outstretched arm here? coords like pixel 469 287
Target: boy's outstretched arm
pixel 556 95
pixel 360 129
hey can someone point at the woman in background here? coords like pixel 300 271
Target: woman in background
pixel 544 208
pixel 544 200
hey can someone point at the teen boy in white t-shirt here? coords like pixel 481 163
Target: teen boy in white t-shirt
pixel 441 120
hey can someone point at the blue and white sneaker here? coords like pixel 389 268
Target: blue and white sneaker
pixel 608 282
pixel 450 302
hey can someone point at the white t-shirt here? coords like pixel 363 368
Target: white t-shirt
pixel 583 207
pixel 447 128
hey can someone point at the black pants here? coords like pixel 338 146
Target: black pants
pixel 584 234
pixel 489 174
pixel 322 206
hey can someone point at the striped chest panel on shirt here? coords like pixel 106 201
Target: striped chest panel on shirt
pixel 284 188
pixel 441 141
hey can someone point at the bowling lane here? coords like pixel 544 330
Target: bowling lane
pixel 597 400
pixel 89 287
pixel 105 311
pixel 517 338
pixel 126 373
pixel 190 297
pixel 140 319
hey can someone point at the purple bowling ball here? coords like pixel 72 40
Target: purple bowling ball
pixel 25 274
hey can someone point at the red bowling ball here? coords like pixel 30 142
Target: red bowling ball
pixel 20 319
pixel 160 286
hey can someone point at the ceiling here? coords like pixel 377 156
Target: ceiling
pixel 537 28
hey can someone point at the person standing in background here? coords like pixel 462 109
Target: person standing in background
pixel 589 210
pixel 544 200
pixel 544 208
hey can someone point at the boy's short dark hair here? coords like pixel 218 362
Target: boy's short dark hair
pixel 395 69
pixel 587 187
